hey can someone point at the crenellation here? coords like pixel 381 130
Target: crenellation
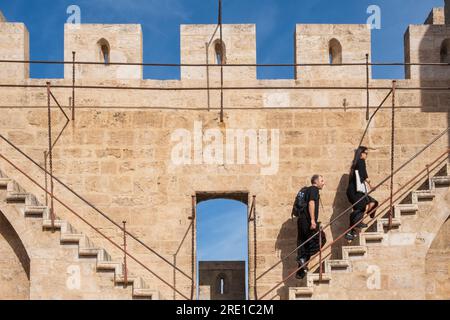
pixel 102 44
pixel 436 16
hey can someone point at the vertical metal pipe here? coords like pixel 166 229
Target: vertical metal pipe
pixel 367 87
pixel 221 62
pixel 50 154
pixel 394 83
pixel 73 85
pixel 193 247
pixel 255 253
pixel 45 175
pixel 207 74
pixel 320 253
pixel 125 271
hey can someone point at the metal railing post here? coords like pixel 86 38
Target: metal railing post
pixel 125 271
pixel 192 217
pixel 320 253
pixel 73 85
pixel 221 62
pixel 45 178
pixel 367 87
pixel 255 253
pixel 50 154
pixel 391 207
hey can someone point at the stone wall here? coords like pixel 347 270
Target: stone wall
pixel 119 154
pixel 232 273
pixel 437 265
pixel 14 264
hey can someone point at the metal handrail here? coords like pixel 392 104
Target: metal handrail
pixel 351 207
pixel 228 64
pixel 319 253
pixel 91 205
pixel 118 246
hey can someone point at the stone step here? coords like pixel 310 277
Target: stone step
pixel 4 182
pixel 371 237
pixel 47 223
pixel 349 252
pixel 336 265
pixel 109 266
pixel 88 252
pixel 299 293
pixel 71 237
pixel 407 208
pixel 144 293
pixel 441 180
pixel 312 278
pixel 384 223
pixel 35 211
pixel 423 195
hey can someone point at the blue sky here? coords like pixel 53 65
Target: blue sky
pixel 222 231
pixel 275 22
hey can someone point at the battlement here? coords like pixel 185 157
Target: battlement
pixel 331 44
pixel 200 44
pixel 104 43
pixel 436 16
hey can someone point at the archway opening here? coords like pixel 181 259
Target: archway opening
pixel 222 246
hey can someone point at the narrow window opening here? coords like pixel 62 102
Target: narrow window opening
pixel 445 51
pixel 104 51
pixel 219 49
pixel 335 52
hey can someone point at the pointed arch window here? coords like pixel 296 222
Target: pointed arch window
pixel 220 52
pixel 104 51
pixel 335 51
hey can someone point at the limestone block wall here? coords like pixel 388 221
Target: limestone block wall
pixel 119 152
pixel 14 45
pixel 120 159
pixel 437 265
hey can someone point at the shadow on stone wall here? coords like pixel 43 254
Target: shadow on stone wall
pixel 340 203
pixel 286 243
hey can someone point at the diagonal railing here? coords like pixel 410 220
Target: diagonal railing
pixel 100 212
pixel 329 224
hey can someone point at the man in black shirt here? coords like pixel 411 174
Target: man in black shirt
pixel 307 225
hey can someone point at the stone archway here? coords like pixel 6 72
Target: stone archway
pixel 437 265
pixel 14 264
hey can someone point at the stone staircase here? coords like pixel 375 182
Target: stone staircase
pixel 377 238
pixel 31 208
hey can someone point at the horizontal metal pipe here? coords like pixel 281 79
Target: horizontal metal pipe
pixel 61 86
pixel 227 65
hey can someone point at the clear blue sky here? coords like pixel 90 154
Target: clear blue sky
pixel 275 22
